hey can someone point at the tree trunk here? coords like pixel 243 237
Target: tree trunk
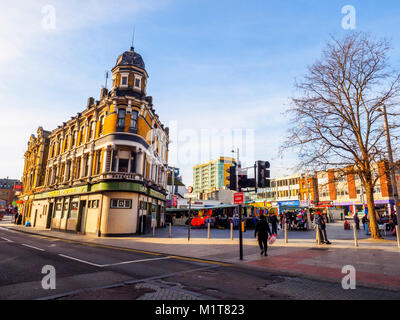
pixel 373 224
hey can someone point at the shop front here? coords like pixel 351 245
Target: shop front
pixel 104 209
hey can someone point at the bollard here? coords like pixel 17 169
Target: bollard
pixel 208 230
pixel 398 233
pixel 318 235
pixel 286 238
pixel 170 230
pixel 231 230
pixel 355 235
pixel 154 230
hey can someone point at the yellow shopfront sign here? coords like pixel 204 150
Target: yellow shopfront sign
pixel 63 192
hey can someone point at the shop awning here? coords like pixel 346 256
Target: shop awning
pixel 222 206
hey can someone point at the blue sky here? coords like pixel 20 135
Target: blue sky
pixel 213 65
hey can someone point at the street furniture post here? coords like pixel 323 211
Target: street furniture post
pixel 208 230
pixel 318 234
pixel 285 227
pixel 170 230
pixel 189 222
pixel 355 235
pixel 240 233
pixel 231 230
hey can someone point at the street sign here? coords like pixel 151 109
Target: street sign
pixel 190 195
pixel 190 189
pixel 238 198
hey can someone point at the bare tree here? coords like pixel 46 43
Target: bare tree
pixel 336 117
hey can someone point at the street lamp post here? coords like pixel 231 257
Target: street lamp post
pixel 392 173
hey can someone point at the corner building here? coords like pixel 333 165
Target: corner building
pixel 105 171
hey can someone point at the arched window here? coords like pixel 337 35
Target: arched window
pixel 101 126
pixel 72 139
pixel 91 131
pixel 134 118
pixel 121 118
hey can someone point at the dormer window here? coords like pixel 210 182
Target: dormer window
pixel 124 81
pixel 137 83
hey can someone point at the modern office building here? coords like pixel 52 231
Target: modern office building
pixel 211 176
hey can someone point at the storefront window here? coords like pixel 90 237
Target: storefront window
pixel 120 204
pixel 74 210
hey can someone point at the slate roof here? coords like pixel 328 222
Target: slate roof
pixel 129 58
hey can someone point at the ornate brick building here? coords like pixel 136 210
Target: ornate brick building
pixel 104 170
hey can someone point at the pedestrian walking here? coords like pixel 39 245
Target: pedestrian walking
pixel 274 223
pixel 320 221
pixel 356 221
pixel 16 217
pixel 364 221
pixel 19 221
pixel 262 231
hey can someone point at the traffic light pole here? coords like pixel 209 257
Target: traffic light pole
pixel 189 222
pixel 255 178
pixel 240 215
pixel 240 233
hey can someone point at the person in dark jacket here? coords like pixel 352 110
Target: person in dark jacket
pixel 320 221
pixel 262 230
pixel 364 221
pixel 357 221
pixel 274 223
pixel 19 221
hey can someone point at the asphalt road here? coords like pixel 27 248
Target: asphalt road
pixel 86 271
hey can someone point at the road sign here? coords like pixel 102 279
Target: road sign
pixel 190 195
pixel 190 189
pixel 238 198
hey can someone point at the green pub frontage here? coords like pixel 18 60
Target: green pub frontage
pixel 105 209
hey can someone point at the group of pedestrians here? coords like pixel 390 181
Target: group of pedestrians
pixel 17 218
pixel 263 231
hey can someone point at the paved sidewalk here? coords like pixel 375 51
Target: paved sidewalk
pixel 376 262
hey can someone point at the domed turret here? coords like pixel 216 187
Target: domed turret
pixel 129 73
pixel 130 58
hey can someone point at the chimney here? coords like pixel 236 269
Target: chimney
pixel 103 93
pixel 90 101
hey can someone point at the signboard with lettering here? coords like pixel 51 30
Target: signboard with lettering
pixel 238 198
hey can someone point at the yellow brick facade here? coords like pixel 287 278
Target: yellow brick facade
pixel 116 144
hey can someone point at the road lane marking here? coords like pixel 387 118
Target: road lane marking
pixel 27 245
pixel 134 261
pixel 224 264
pixel 7 240
pixel 6 229
pixel 111 264
pixel 83 261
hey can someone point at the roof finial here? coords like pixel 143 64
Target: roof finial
pixel 133 38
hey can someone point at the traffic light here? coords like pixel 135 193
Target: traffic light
pixel 263 174
pixel 243 181
pixel 231 178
